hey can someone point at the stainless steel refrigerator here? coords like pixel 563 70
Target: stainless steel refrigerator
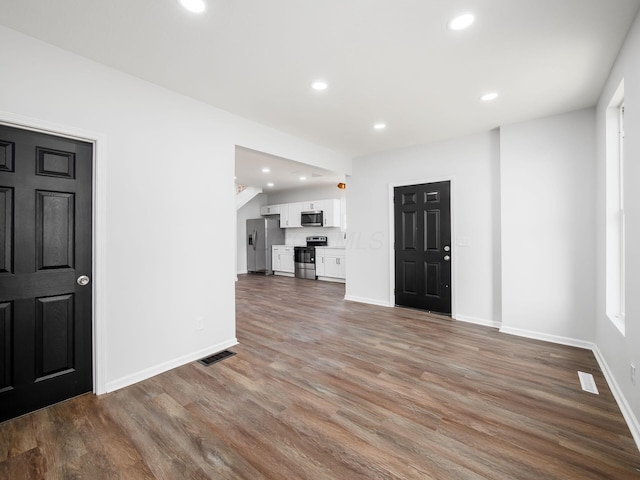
pixel 262 233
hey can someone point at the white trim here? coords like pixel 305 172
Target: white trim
pixel 166 366
pixel 625 408
pixel 370 301
pixel 99 220
pixel 391 235
pixel 283 274
pixel 331 279
pixel 478 321
pixel 571 342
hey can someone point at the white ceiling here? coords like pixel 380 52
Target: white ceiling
pixel 284 174
pixel 385 60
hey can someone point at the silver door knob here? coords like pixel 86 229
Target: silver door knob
pixel 447 248
pixel 83 280
pixel 447 258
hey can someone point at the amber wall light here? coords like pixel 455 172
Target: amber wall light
pixel 341 186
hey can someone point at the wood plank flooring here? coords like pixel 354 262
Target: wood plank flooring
pixel 322 388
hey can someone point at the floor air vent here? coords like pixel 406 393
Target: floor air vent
pixel 587 383
pixel 211 359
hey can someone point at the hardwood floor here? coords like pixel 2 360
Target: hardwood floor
pixel 321 388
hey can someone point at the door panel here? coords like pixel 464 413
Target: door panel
pixel 54 229
pixel 432 276
pixel 431 231
pixel 6 229
pixel 409 284
pixel 409 230
pixel 55 164
pixel 422 232
pixel 6 356
pixel 54 336
pixel 45 244
pixel 6 156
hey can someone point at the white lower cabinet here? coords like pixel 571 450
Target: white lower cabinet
pixel 330 263
pixel 282 259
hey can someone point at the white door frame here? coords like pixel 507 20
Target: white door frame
pixel 98 219
pixel 392 231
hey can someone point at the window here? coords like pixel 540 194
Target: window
pixel 615 218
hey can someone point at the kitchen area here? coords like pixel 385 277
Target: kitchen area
pixel 290 218
pixel 298 239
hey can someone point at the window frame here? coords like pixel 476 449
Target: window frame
pixel 615 214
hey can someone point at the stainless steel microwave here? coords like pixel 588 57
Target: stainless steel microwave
pixel 312 218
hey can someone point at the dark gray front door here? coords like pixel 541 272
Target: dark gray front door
pixel 423 246
pixel 45 245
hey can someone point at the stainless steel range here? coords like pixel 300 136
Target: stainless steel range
pixel 305 257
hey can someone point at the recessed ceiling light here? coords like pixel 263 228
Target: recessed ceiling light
pixel 461 21
pixel 319 85
pixel 380 126
pixel 303 178
pixel 265 170
pixel 194 6
pixel 487 97
pixel 269 184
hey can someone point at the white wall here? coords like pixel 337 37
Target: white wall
pixel 298 236
pixel 472 165
pixel 250 210
pixel 169 194
pixel 620 350
pixel 547 172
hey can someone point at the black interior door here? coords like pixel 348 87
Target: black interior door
pixel 423 246
pixel 45 246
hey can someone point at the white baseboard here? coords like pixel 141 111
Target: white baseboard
pixel 370 301
pixel 625 408
pixel 571 342
pixel 331 279
pixel 478 321
pixel 166 366
pixel 283 274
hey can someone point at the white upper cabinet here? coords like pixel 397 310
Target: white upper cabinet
pixel 311 206
pixel 290 215
pixel 270 210
pixel 330 212
pixel 290 212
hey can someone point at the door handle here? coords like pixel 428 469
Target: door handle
pixel 83 280
pixel 447 258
